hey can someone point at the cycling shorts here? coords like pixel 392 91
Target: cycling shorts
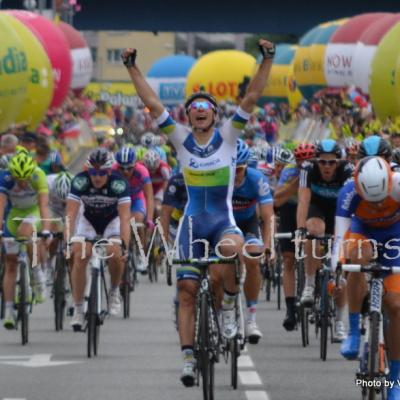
pixel 138 205
pixel 287 223
pixel 207 227
pixel 324 212
pixel 28 215
pixel 85 229
pixel 251 230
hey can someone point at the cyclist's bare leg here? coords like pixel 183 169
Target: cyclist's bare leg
pixel 81 255
pixel 316 227
pixel 289 278
pixel 10 276
pixel 230 245
pixel 252 283
pixel 392 305
pixel 116 264
pixel 187 290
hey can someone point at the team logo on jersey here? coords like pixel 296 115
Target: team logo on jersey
pixel 263 187
pixel 80 183
pixel 118 186
pixel 193 163
pixel 172 189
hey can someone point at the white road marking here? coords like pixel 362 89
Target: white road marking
pixel 256 395
pixel 245 362
pixel 250 378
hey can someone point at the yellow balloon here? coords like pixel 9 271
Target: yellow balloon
pixel 292 90
pixel 276 87
pixel 382 88
pixel 211 72
pixel 13 74
pixel 40 85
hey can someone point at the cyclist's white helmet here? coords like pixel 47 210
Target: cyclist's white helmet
pixel 151 159
pixel 63 185
pixel 373 179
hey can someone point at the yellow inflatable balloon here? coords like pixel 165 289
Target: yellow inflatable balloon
pixel 384 70
pixel 13 74
pixel 292 90
pixel 211 73
pixel 40 85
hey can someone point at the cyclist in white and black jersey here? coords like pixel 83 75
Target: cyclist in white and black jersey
pixel 207 157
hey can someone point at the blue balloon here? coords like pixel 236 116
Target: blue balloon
pixel 176 66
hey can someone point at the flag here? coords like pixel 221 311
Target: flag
pixel 71 130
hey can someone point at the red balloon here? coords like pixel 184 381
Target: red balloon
pixel 82 63
pixel 57 48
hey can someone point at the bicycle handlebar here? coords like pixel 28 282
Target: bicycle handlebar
pixel 291 235
pixel 369 268
pixel 204 261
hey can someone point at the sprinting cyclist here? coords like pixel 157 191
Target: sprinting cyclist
pixel 141 191
pixel 106 204
pixel 319 186
pixel 285 202
pixel 251 192
pixel 368 210
pixel 24 186
pixel 207 157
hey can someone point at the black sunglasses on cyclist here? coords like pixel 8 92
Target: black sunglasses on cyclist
pixel 327 162
pixel 98 172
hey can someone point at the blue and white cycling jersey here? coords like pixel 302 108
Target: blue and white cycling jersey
pixel 254 190
pixel 209 174
pixel 208 170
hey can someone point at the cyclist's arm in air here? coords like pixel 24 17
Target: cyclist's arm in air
pixel 124 213
pixel 258 82
pixel 143 89
pixel 149 196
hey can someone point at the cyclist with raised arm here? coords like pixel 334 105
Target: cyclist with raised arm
pixel 24 186
pixel 319 186
pixel 105 199
pixel 368 212
pixel 141 191
pixel 285 202
pixel 251 192
pixel 207 157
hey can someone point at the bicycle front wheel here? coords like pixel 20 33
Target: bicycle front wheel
pixel 206 361
pixel 93 323
pixel 24 302
pixel 324 317
pixel 59 292
pixel 125 289
pixel 373 355
pixel 234 349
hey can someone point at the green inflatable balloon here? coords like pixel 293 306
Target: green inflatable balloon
pixel 40 85
pixel 14 74
pixel 382 87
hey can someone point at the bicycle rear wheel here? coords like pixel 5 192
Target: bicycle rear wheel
pixel 93 323
pixel 23 314
pixel 59 292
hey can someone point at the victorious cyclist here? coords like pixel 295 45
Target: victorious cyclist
pixel 208 157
